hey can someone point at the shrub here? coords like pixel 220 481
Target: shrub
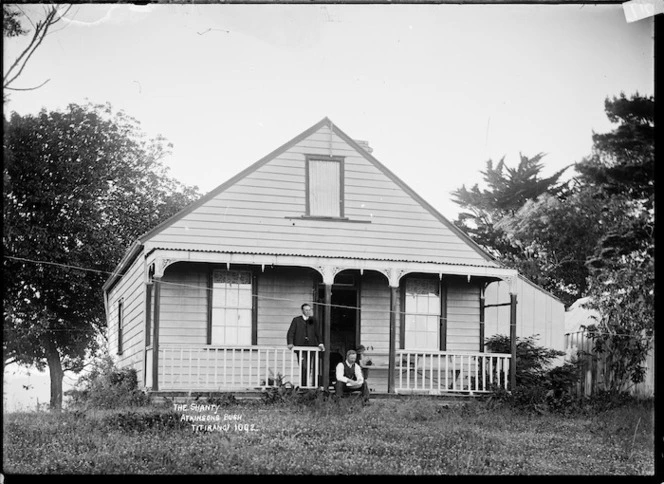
pixel 538 386
pixel 107 387
pixel 289 395
pixel 532 361
pixel 224 400
pixel 281 393
pixel 603 400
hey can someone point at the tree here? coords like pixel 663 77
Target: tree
pixel 621 281
pixel 595 237
pixel 623 160
pixel 508 189
pixel 80 185
pixel 560 232
pixel 563 237
pixel 12 27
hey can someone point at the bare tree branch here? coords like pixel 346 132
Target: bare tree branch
pixel 53 15
pixel 27 88
pixel 211 29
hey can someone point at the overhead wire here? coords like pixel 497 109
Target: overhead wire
pixel 257 296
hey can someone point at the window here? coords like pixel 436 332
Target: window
pixel 231 307
pixel 325 187
pixel 422 319
pixel 120 324
pixel 148 315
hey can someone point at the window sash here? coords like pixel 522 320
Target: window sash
pixel 231 315
pixel 120 325
pixel 422 314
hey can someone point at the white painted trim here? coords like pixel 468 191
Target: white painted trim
pixel 327 267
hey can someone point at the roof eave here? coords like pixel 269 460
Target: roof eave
pixel 129 257
pixel 417 197
pixel 251 168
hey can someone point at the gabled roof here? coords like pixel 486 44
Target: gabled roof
pixel 325 122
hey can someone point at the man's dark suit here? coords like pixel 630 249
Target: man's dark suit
pixel 303 333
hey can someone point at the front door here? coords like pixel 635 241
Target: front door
pixel 343 321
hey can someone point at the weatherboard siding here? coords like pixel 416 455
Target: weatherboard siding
pixel 183 308
pixel 375 314
pixel 281 292
pixel 463 315
pixel 131 290
pixel 537 313
pixel 184 304
pixel 262 212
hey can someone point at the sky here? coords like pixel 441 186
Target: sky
pixel 436 90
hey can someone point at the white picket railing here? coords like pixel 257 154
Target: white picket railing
pixel 437 372
pixel 217 368
pixel 222 368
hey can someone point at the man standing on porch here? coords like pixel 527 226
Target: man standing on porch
pixel 303 331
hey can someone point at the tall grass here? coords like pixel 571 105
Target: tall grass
pixel 320 436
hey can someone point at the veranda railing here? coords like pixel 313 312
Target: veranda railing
pixel 451 371
pixel 196 368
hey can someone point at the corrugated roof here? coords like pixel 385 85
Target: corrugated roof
pixel 322 256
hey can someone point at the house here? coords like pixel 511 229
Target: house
pixel 203 301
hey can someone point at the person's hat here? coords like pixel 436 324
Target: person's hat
pixel 360 349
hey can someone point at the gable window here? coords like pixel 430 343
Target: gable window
pixel 422 319
pixel 120 324
pixel 325 186
pixel 231 307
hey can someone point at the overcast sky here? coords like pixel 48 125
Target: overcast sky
pixel 436 89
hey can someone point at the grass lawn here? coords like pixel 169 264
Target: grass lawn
pixel 405 436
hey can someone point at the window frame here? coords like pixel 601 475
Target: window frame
pixel 120 325
pixel 442 312
pixel 252 308
pixel 341 161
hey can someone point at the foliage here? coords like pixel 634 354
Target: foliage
pixel 623 160
pixel 575 238
pixel 532 361
pixel 539 386
pixel 133 421
pixel 508 190
pixel 622 275
pixel 286 394
pixel 558 233
pixel 107 387
pixel 79 186
pixel 605 400
pixel 11 25
pixel 386 438
pixel 223 400
pixel 624 297
pixel 280 393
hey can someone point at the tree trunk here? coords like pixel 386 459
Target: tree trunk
pixel 55 370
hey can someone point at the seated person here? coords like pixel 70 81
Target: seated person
pixel 350 378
